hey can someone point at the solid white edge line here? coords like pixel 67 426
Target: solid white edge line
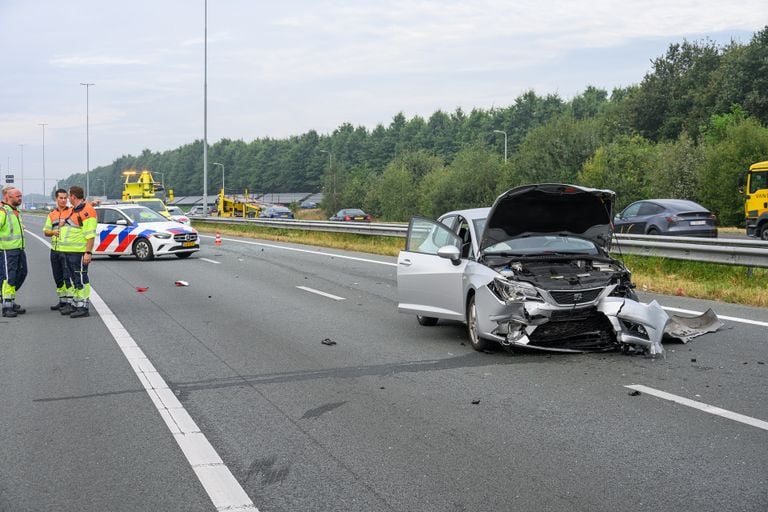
pixel 331 255
pixel 219 483
pixel 318 292
pixel 748 420
pixel 721 317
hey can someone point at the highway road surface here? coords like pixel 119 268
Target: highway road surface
pixel 282 378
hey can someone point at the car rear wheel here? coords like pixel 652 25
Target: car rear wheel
pixel 477 342
pixel 426 320
pixel 183 255
pixel 653 231
pixel 143 250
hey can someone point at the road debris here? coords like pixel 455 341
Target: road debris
pixel 328 341
pixel 142 289
pixel 634 393
pixel 181 283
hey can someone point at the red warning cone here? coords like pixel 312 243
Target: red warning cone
pixel 218 239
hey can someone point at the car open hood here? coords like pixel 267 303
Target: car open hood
pixel 550 209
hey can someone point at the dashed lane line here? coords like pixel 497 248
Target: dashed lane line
pixel 711 409
pixel 318 292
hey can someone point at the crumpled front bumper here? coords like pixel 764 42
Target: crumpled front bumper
pixel 634 324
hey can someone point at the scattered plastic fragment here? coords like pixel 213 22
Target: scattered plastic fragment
pixel 181 283
pixel 475 401
pixel 634 393
pixel 693 359
pixel 142 289
pixel 328 341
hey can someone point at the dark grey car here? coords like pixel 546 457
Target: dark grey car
pixel 678 217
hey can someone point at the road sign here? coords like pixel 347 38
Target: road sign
pixel 9 178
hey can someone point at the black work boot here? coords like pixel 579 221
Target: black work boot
pixel 66 309
pixel 58 306
pixel 18 309
pixel 78 312
pixel 9 313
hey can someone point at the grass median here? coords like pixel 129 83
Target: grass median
pixel 726 283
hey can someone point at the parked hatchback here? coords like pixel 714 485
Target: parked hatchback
pixel 678 217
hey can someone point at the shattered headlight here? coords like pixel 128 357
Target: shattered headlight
pixel 514 291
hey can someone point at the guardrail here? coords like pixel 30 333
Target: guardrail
pixel 749 253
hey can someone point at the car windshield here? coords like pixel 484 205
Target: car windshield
pixel 542 244
pixel 140 214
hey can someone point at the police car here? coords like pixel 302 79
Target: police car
pixel 134 229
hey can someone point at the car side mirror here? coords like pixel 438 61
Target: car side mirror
pixel 450 252
pixel 121 222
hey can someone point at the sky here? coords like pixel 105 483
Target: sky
pixel 277 69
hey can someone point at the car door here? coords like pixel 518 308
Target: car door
pixel 628 221
pixel 428 284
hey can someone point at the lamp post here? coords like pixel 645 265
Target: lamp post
pixel 104 185
pixel 43 125
pixel 222 175
pixel 505 143
pixel 22 170
pixel 87 138
pixel 333 176
pixel 205 112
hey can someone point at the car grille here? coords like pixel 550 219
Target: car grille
pixel 567 297
pixel 185 237
pixel 592 333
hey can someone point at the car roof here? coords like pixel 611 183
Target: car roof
pixel 470 214
pixel 676 204
pixel 122 206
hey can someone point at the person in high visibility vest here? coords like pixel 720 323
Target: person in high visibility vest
pixel 59 268
pixel 76 237
pixel 13 259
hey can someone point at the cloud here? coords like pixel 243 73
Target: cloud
pixel 103 60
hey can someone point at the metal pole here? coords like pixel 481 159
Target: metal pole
pixel 22 171
pixel 222 175
pixel 43 125
pixel 87 138
pixel 505 143
pixel 205 114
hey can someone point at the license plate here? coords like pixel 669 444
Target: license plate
pixel 359 218
pixel 698 222
pixel 188 244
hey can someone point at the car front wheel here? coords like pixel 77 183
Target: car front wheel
pixel 143 250
pixel 477 342
pixel 764 232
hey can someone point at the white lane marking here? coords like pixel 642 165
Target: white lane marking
pixel 748 420
pixel 210 261
pixel 721 317
pixel 331 255
pixel 222 487
pixel 312 290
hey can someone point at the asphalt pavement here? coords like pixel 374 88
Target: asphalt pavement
pixel 317 395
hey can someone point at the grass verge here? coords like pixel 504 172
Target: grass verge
pixel 724 283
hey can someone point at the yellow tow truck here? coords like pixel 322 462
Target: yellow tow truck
pixel 756 202
pixel 234 205
pixel 141 188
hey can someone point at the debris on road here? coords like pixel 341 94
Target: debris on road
pixel 181 283
pixel 142 289
pixel 634 393
pixel 328 341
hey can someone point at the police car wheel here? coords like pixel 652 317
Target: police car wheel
pixel 143 250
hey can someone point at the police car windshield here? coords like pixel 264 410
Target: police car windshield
pixel 141 214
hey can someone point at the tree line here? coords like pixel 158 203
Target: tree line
pixel 693 124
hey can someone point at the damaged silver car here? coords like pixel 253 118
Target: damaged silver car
pixel 533 271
